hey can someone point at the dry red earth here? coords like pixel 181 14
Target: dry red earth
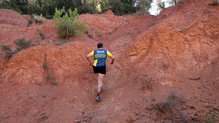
pixel 166 69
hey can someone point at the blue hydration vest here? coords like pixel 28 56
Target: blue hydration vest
pixel 100 56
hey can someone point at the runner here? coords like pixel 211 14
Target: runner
pixel 99 65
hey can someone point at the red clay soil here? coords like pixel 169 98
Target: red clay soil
pixel 166 68
pixel 10 20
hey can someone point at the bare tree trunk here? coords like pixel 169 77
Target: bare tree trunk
pixel 67 33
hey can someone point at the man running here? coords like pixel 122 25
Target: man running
pixel 99 65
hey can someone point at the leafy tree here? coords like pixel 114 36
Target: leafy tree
pixel 119 7
pixel 47 7
pixel 44 7
pixel 17 5
pixel 143 6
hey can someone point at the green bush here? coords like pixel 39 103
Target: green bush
pixel 69 24
pixel 211 119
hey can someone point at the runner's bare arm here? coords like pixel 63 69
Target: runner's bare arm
pixel 88 56
pixel 113 59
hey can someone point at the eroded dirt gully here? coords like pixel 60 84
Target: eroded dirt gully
pixel 166 69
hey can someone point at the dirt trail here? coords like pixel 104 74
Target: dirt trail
pixel 166 68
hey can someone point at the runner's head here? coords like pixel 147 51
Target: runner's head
pixel 99 45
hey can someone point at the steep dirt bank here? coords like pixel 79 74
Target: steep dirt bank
pixel 171 57
pixel 166 69
pixel 66 79
pixel 34 81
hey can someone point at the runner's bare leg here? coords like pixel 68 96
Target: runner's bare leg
pixel 100 78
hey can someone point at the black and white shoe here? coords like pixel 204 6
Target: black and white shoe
pixel 98 98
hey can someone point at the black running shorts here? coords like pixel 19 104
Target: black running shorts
pixel 101 70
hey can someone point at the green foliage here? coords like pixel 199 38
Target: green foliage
pixel 44 7
pixel 214 2
pixel 68 24
pixel 143 6
pixel 119 7
pixel 89 7
pixel 174 2
pixel 17 5
pixel 211 119
pixel 47 7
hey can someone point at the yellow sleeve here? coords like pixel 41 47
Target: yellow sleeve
pixel 108 53
pixel 92 53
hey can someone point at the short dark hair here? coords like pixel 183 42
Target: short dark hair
pixel 99 45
